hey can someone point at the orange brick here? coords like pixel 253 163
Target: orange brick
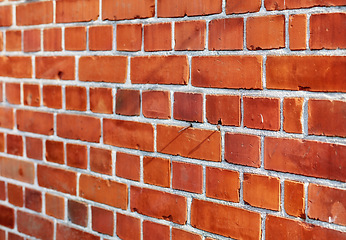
pixel 66 232
pixel 327 118
pixel 101 100
pixel 128 228
pixel 328 31
pixel 188 106
pixel 102 220
pixel 107 192
pixel 52 96
pixel 222 184
pixel 244 6
pixel 101 69
pixel 167 206
pixel 205 214
pixel 266 32
pixel 128 166
pixel 32 40
pixel 292 111
pixel 32 95
pixel 127 9
pixel 128 102
pixel 14 144
pixel 295 199
pixel 52 39
pixel 158 37
pixel 35 122
pixel 60 67
pixel 189 142
pixel 6 16
pixel 190 35
pixel 101 38
pixel 178 234
pixel 34 225
pixel 12 93
pixel 297 32
pixel 223 109
pixel 157 171
pixel 1 41
pixel 129 37
pixel 308 73
pixel 297 156
pixel 6 117
pixel 294 4
pixel 2 143
pixel 14 40
pixel 78 213
pixel 75 38
pixel 76 98
pixel 76 156
pixel 16 169
pixel 101 160
pixel 7 216
pixel 34 148
pixel 55 206
pixel 160 70
pixel 76 11
pixel 33 199
pixel 15 195
pixel 187 177
pixel 16 67
pixel 156 104
pixel 155 231
pixel 34 13
pixel 55 152
pixel 226 34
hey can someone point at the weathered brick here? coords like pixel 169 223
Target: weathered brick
pixel 223 109
pixel 6 16
pixel 14 144
pixel 55 206
pixel 101 100
pixel 297 31
pixel 156 104
pixel 128 102
pixel 187 177
pixel 157 171
pixel 32 40
pixel 58 67
pixel 242 6
pixel 76 11
pixel 75 38
pixel 158 37
pixel 190 35
pixel 32 95
pixel 101 160
pixel 76 98
pixel 127 227
pixel 101 38
pixel 294 199
pixel 14 40
pixel 294 4
pixel 76 156
pixel 17 169
pixel 15 67
pixel 34 13
pixel 52 38
pixel 226 34
pixel 127 9
pixel 52 96
pixel 13 93
pixel 35 122
pixel 7 216
pixel 129 37
pixel 127 166
pixel 77 212
pixel 155 231
pixel 55 151
pixel 34 225
pixel 15 195
pixel 178 234
pixel 292 111
pixel 33 199
pixel 34 148
pixel 66 232
pixel 6 117
pixel 188 106
pixel 102 220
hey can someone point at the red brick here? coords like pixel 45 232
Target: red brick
pixel 1 41
pixel 189 142
pixel 55 152
pixel 52 96
pixel 207 216
pixel 222 184
pixel 34 13
pixel 157 171
pixel 64 232
pixel 16 169
pixel 33 199
pixel 158 37
pixel 76 156
pixel 1 92
pixel 101 160
pixel 55 206
pixel 2 191
pixel 309 73
pixel 52 39
pixel 34 148
pixel 101 69
pixel 104 191
pixel 227 72
pixel 226 34
pixel 292 4
pixel 77 213
pixel 15 195
pixel 295 199
pixel 298 156
pixel 32 40
pixel 327 204
pixel 34 225
pixel 101 38
pixel 2 142
pixel 292 111
pixel 160 70
pixel 58 67
pixel 128 228
pixel 156 104
pixel 223 109
pixel 187 177
pixel 79 127
pixel 127 9
pixel 75 38
pixel 6 117
pixel 287 229
pixel 128 166
pixel 261 191
pixel 128 102
pixel 102 220
pixel 32 95
pixel 14 144
pixel 297 32
pixel 128 134
pixel 76 11
pixel 6 16
pixel 7 216
pixel 158 204
pixel 12 236
pixel 242 6
pixel 180 8
pixel 190 35
pixel 328 31
pixel 14 40
pixel 15 67
pixel 262 113
pixel 327 118
pixel 2 232
pixel 101 100
pixel 76 98
pixel 188 106
pixel 155 231
pixel 129 37
pixel 57 179
pixel 178 234
pixel 267 32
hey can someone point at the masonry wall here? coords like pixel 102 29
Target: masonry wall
pixel 172 119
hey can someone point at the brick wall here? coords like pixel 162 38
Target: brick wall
pixel 173 119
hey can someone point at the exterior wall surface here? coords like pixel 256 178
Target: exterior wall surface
pixel 173 119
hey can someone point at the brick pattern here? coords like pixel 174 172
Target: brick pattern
pixel 162 119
